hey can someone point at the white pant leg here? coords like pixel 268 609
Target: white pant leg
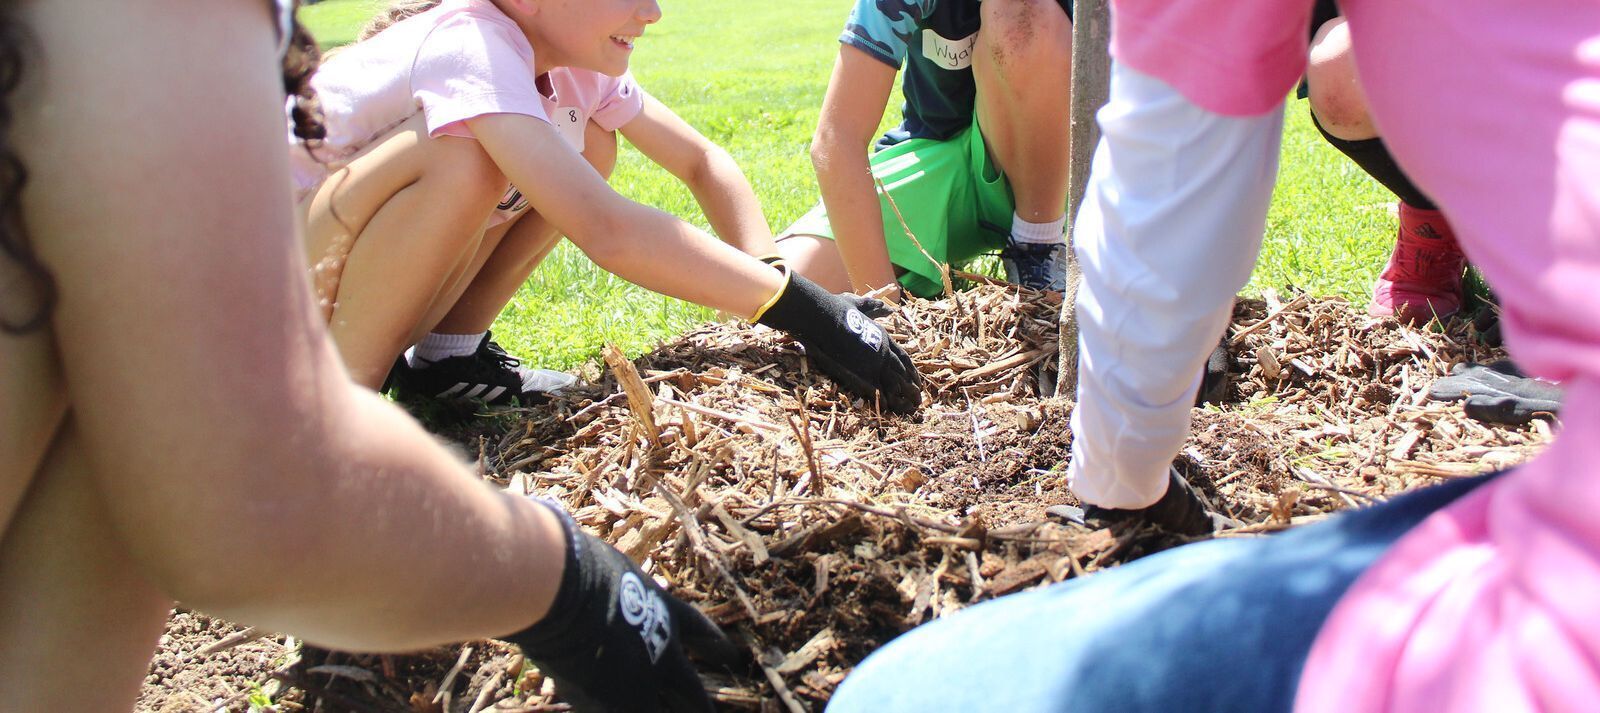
pixel 1168 233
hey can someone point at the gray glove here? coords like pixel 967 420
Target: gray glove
pixel 1497 393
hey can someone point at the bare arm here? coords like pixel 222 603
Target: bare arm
pixel 857 94
pixel 247 474
pixel 718 185
pixel 638 243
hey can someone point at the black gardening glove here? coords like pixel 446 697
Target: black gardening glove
pixel 844 342
pixel 615 641
pixel 1497 393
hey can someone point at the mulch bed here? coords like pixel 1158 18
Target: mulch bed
pixel 815 529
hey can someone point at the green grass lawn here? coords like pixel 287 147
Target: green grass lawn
pixel 336 22
pixel 751 76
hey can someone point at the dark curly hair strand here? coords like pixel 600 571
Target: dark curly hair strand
pixel 13 176
pixel 299 63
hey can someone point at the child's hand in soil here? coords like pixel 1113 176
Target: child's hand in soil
pixel 614 640
pixel 844 342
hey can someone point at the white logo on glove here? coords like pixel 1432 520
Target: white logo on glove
pixel 864 328
pixel 646 611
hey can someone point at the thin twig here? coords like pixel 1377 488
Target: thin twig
pixel 1239 336
pixel 944 270
pixel 697 537
pixel 724 415
pixel 236 639
pixel 1344 491
pixel 450 676
pixel 802 431
pixel 773 677
pixel 488 690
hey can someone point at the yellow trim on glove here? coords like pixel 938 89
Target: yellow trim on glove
pixel 784 268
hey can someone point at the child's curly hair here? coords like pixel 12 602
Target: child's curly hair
pixel 299 63
pixel 13 176
pixel 397 11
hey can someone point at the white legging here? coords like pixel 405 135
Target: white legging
pixel 1168 233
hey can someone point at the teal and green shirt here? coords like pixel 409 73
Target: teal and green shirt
pixel 933 39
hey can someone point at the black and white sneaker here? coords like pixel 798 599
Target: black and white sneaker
pixel 489 375
pixel 1041 266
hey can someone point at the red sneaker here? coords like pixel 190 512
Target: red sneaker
pixel 1423 277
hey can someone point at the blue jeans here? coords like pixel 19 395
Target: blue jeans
pixel 1223 625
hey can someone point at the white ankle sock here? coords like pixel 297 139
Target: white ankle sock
pixel 1024 232
pixel 437 346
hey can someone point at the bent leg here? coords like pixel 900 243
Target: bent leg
pixel 389 232
pixel 504 265
pixel 1223 625
pixel 72 600
pixel 1339 110
pixel 817 258
pixel 1333 90
pixel 1422 279
pixel 1022 63
pixel 932 213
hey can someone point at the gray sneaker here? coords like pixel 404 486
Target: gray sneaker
pixel 1041 266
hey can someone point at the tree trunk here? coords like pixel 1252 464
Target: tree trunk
pixel 1091 83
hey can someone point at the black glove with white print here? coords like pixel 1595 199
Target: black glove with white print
pixel 616 641
pixel 843 341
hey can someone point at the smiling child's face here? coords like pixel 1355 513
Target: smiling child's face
pixel 596 35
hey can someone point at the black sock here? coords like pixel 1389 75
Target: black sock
pixel 1373 157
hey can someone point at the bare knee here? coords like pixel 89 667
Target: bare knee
pixel 817 259
pixel 1024 35
pixel 1335 91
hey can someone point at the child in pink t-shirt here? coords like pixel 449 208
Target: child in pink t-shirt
pixel 1475 595
pixel 466 137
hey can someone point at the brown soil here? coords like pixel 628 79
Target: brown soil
pixel 185 676
pixel 815 529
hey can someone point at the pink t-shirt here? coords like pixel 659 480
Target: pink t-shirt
pixel 457 61
pixel 1492 603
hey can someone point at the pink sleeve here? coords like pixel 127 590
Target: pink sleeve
pixel 623 101
pixel 468 67
pixel 1230 57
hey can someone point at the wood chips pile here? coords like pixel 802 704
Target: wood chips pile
pixel 815 529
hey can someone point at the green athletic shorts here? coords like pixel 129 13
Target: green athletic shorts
pixel 951 194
